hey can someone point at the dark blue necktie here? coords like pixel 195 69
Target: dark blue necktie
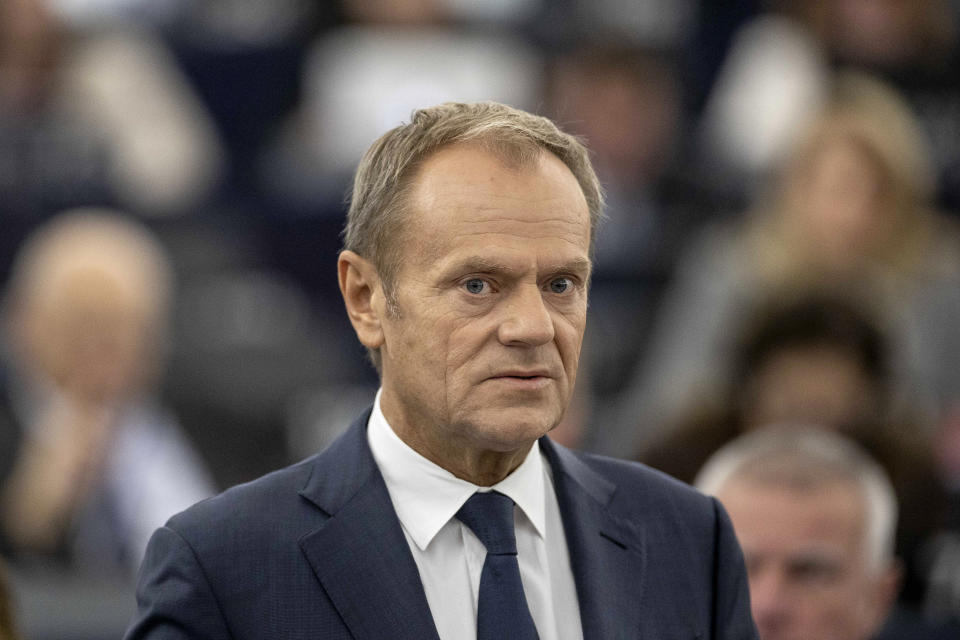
pixel 502 610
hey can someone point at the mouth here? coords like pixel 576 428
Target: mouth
pixel 524 379
pixel 523 373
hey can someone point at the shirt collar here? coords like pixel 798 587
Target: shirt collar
pixel 426 496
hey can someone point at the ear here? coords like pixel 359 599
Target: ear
pixel 363 297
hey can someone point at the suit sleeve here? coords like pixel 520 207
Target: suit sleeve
pixel 732 619
pixel 174 598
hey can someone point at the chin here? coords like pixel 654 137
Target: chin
pixel 510 431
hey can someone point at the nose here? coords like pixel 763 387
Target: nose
pixel 526 319
pixel 770 604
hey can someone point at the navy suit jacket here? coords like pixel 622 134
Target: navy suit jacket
pixel 316 551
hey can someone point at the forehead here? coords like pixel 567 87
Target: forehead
pixel 782 519
pixel 466 192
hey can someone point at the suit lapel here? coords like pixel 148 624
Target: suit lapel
pixel 606 553
pixel 360 554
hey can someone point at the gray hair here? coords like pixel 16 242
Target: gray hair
pixel 809 458
pixel 383 179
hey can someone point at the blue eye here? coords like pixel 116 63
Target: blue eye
pixel 560 285
pixel 475 286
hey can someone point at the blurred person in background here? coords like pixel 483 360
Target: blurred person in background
pixel 914 45
pixel 804 357
pixel 368 73
pixel 851 206
pixel 93 462
pixel 818 358
pixel 777 72
pixel 98 115
pixel 815 517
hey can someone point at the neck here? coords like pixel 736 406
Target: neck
pixel 481 465
pixel 483 468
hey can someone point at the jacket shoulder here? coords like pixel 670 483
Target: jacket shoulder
pixel 639 491
pixel 269 499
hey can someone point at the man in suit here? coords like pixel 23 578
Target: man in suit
pixel 445 511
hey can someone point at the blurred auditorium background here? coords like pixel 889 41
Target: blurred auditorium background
pixel 783 180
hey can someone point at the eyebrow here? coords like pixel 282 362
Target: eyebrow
pixel 579 265
pixel 817 556
pixel 481 264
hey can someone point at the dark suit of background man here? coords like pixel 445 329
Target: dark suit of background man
pixel 465 274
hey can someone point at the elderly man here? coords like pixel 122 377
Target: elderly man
pixel 816 520
pixel 444 511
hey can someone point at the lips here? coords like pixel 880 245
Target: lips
pixel 523 380
pixel 529 374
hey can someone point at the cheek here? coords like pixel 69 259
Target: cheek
pixel 463 342
pixel 437 340
pixel 569 338
pixel 837 612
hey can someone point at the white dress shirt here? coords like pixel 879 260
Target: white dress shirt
pixel 449 556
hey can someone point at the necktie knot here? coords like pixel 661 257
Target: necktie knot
pixel 490 516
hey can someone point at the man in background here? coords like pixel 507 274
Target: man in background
pixel 815 517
